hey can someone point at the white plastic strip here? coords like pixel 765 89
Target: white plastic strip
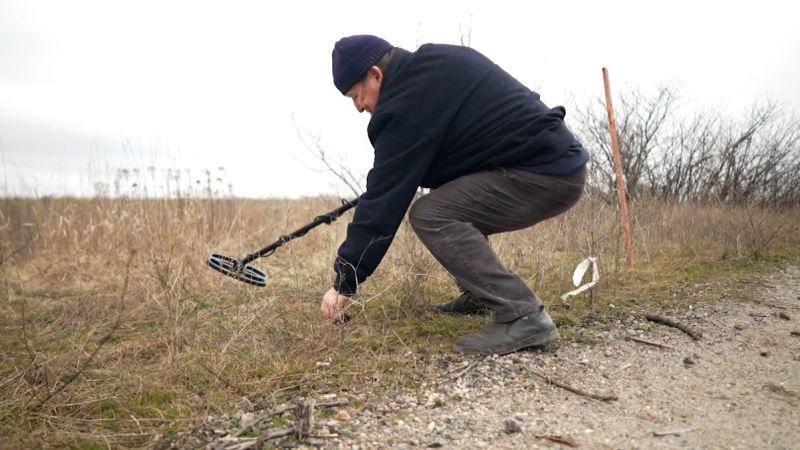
pixel 577 276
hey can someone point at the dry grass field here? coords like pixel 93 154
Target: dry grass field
pixel 113 332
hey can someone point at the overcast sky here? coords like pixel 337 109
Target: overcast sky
pixel 88 88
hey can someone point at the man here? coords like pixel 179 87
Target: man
pixel 447 118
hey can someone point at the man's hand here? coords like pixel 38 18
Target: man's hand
pixel 333 305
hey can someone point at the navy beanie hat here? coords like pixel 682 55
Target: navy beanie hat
pixel 352 58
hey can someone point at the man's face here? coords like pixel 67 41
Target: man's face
pixel 365 93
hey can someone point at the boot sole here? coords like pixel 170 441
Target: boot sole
pixel 536 340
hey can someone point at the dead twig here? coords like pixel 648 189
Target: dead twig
pixel 643 341
pixel 673 432
pixel 333 403
pixel 304 421
pixel 789 396
pixel 281 410
pixel 272 434
pixel 100 343
pixel 289 407
pixel 795 308
pixel 569 442
pixel 461 372
pixel 624 366
pixel 13 253
pixel 227 383
pixel 696 335
pixel 778 306
pixel 606 398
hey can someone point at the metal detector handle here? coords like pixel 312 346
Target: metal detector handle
pixel 326 218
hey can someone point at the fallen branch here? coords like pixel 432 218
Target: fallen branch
pixel 643 341
pixel 299 411
pixel 273 434
pixel 606 398
pixel 558 439
pixel 696 335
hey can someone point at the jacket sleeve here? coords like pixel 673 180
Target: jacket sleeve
pixel 403 153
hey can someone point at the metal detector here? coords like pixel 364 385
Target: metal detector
pixel 240 268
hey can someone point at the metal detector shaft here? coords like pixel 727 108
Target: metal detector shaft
pixel 326 218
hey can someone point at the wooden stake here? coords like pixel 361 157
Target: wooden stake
pixel 623 204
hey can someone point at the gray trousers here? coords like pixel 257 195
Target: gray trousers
pixel 454 220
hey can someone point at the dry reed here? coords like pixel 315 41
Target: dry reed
pixel 189 341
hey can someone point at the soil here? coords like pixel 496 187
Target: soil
pixel 737 387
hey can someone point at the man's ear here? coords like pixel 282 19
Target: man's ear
pixel 376 72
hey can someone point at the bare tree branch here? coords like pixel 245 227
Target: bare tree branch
pixel 336 167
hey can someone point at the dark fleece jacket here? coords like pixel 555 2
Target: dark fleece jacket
pixel 443 112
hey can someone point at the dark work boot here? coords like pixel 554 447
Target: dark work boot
pixel 465 304
pixel 534 330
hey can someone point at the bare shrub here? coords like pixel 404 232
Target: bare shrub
pixel 702 157
pixel 191 341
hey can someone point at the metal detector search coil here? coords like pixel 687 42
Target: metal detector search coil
pixel 230 267
pixel 240 268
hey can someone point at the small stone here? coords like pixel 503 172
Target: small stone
pixel 435 444
pixel 763 353
pixel 738 327
pixel 513 426
pixel 795 333
pixel 688 362
pixel 784 316
pixel 289 444
pixel 343 416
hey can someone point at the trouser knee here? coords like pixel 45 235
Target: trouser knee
pixel 421 216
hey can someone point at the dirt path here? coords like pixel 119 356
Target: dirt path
pixel 737 387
